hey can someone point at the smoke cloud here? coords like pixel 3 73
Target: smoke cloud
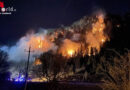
pixel 19 52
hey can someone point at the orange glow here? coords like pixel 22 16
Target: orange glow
pixel 43 79
pixel 69 48
pixel 70 52
pixel 37 62
pixel 96 37
pixel 103 40
pixel 40 43
pixel 89 51
pixel 91 41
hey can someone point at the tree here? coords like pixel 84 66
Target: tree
pixel 4 65
pixel 52 64
pixel 116 71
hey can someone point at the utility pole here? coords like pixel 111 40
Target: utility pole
pixel 26 76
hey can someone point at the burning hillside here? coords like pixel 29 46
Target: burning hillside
pixel 87 36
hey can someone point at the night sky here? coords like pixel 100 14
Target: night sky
pixel 33 14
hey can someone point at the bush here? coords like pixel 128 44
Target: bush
pixel 116 71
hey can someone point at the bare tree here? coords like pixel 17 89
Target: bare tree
pixel 4 65
pixel 116 71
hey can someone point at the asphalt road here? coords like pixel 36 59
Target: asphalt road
pixel 49 86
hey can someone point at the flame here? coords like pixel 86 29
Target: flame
pixel 42 79
pixel 103 40
pixel 89 51
pixel 40 43
pixel 69 48
pixel 70 52
pixel 96 37
pixel 37 62
pixel 69 43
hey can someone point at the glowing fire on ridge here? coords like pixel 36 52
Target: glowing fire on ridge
pixel 68 47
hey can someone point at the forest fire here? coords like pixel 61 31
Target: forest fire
pixel 69 42
pixel 84 37
pixel 65 45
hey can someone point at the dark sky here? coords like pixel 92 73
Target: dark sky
pixel 33 14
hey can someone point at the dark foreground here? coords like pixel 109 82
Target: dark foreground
pixel 49 86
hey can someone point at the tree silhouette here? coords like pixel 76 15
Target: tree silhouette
pixel 4 65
